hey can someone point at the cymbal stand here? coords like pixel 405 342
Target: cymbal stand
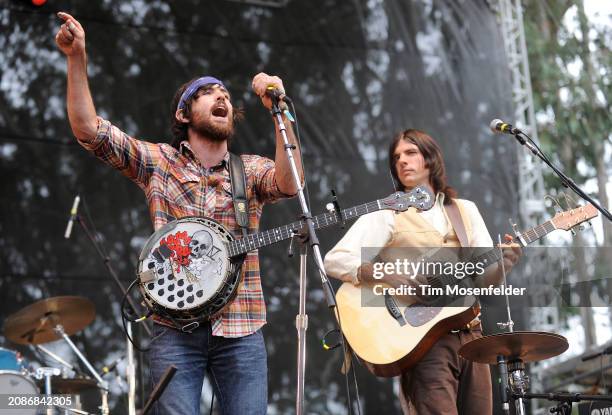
pixel 506 374
pixel 59 329
pixel 55 357
pixel 518 383
pixel 47 373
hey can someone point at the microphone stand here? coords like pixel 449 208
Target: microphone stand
pixel 565 180
pixel 310 237
pixel 131 377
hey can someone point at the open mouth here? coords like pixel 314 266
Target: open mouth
pixel 220 111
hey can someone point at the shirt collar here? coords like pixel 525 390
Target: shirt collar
pixel 185 148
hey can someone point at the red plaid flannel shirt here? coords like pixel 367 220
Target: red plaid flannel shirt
pixel 176 185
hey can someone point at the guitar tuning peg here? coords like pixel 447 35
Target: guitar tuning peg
pixel 330 207
pixel 555 203
pixel 570 201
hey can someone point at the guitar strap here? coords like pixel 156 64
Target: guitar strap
pixel 456 221
pixel 238 181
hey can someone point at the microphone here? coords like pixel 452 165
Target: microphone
pixel 278 94
pixel 159 388
pixel 607 350
pixel 73 215
pixel 498 126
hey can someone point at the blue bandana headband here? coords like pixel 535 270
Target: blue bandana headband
pixel 194 86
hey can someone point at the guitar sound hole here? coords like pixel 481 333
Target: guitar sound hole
pixel 160 281
pixel 181 283
pixel 171 287
pixel 171 299
pixel 181 304
pixel 160 271
pixel 189 288
pixel 181 293
pixel 170 277
pixel 150 286
pixel 200 293
pixel 190 299
pixel 160 292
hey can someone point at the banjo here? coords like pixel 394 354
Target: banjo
pixel 189 269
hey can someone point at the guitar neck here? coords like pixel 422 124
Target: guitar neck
pixel 272 236
pixel 524 239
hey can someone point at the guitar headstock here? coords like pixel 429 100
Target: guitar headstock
pixel 420 197
pixel 570 218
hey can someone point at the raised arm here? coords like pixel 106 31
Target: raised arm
pixel 70 39
pixel 284 178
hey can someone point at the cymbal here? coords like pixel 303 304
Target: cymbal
pixel 68 386
pixel 35 323
pixel 529 346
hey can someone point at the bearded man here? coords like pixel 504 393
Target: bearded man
pixel 191 177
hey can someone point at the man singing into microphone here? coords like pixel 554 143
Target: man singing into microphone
pixel 441 382
pixel 191 177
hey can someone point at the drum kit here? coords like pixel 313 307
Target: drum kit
pixel 45 321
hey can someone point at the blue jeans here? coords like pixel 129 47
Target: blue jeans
pixel 237 368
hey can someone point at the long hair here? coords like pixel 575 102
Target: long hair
pixel 433 161
pixel 178 128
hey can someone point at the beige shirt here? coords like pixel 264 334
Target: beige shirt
pixel 376 229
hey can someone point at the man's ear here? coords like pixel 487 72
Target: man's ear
pixel 180 115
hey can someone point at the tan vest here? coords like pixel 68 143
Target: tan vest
pixel 412 230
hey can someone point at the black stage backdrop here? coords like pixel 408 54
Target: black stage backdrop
pixel 358 71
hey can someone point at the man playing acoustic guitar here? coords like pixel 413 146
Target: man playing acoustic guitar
pixel 441 382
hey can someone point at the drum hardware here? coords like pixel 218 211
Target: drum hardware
pixel 564 400
pixel 55 357
pixel 510 350
pixel 101 251
pixel 46 373
pixel 53 319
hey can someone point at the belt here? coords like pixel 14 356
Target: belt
pixel 469 326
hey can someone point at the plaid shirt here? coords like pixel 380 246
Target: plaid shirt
pixel 176 185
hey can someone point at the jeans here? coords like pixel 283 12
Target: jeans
pixel 237 369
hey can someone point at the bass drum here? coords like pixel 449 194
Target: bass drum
pixel 185 271
pixel 16 383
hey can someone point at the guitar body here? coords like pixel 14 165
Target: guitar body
pixel 388 343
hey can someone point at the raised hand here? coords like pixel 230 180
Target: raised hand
pixel 261 82
pixel 70 37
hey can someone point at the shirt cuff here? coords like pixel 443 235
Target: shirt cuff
pixel 102 134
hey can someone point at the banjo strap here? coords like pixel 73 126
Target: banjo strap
pixel 238 181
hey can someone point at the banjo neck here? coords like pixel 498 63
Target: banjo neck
pixel 419 197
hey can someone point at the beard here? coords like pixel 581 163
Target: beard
pixel 214 132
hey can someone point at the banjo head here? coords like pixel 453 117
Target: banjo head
pixel 184 269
